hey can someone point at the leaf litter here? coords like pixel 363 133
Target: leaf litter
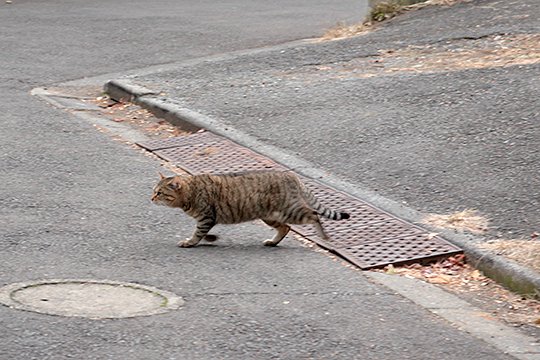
pixel 460 278
pixel 137 117
pixel 526 252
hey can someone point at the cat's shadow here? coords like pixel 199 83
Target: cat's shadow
pixel 238 246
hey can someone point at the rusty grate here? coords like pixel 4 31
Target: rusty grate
pixel 360 216
pixel 331 197
pixel 370 238
pixel 402 250
pixel 203 137
pixel 216 157
pixel 347 235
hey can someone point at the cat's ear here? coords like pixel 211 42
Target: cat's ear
pixel 174 184
pixel 161 176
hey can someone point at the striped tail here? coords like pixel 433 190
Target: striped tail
pixel 316 205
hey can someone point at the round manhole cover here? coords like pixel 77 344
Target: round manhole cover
pixel 94 299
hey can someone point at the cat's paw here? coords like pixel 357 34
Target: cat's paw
pixel 269 242
pixel 186 243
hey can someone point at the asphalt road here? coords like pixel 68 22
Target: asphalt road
pixel 74 204
pixel 439 140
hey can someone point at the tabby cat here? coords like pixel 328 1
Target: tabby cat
pixel 276 197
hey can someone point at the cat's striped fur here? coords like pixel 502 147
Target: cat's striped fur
pixel 276 197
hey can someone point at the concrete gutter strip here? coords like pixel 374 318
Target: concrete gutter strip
pixel 506 272
pixel 459 312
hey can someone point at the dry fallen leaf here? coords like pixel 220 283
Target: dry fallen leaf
pixel 476 275
pixel 390 269
pixel 440 279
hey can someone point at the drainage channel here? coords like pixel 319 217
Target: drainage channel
pixel 371 238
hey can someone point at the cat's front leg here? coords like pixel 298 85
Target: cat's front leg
pixel 203 227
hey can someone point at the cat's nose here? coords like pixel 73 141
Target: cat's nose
pixel 154 197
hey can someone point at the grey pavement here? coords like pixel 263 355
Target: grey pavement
pixel 438 142
pixel 75 204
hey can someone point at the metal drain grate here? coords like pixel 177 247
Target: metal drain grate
pixel 192 139
pixel 216 157
pixel 330 197
pixel 370 238
pixel 402 250
pixel 347 235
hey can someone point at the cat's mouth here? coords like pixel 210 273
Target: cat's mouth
pixel 157 201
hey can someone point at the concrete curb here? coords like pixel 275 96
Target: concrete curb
pixel 504 271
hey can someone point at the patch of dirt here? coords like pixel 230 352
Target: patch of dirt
pixel 381 11
pixel 525 252
pixel 136 117
pixel 491 51
pixel 466 220
pixel 342 30
pixel 436 3
pixel 453 55
pixel 459 278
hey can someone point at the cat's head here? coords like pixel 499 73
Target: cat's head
pixel 166 190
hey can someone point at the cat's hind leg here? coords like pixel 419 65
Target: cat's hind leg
pixel 282 230
pixel 203 227
pixel 320 231
pixel 316 221
pixel 311 217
